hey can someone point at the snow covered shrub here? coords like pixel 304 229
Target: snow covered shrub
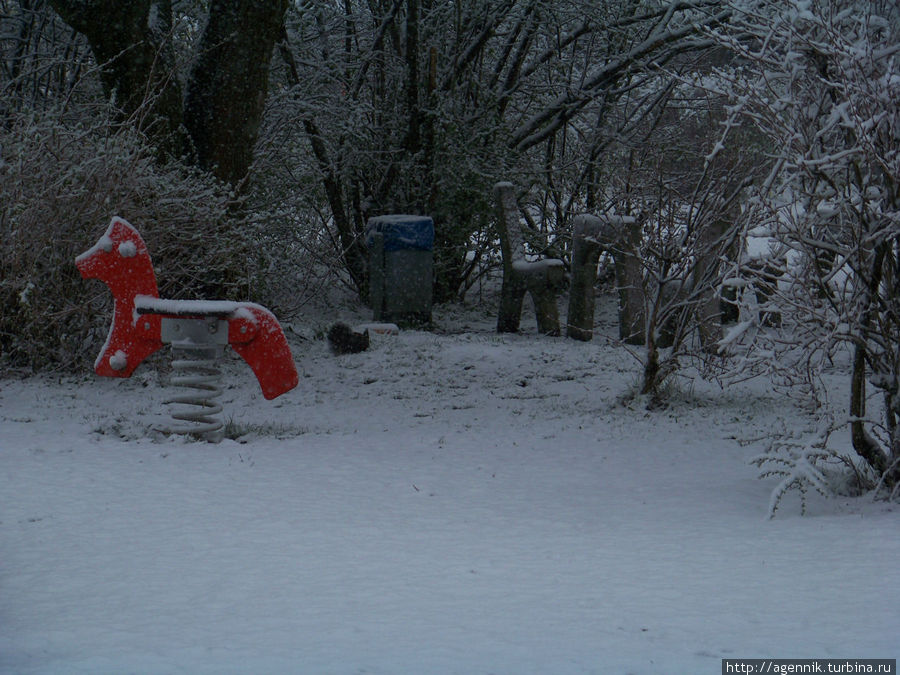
pixel 60 183
pixel 304 253
pixel 685 190
pixel 821 81
pixel 805 462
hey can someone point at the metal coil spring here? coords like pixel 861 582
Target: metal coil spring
pixel 198 371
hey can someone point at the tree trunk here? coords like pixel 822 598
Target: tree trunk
pixel 865 446
pixel 650 382
pixel 353 249
pixel 227 90
pixel 413 137
pixel 706 275
pixel 130 41
pixel 449 265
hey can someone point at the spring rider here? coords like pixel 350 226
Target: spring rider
pixel 198 331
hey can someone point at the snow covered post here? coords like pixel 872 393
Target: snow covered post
pixel 591 235
pixel 543 279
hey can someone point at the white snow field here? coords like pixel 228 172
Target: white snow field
pixel 447 502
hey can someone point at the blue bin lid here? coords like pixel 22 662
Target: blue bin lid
pixel 402 232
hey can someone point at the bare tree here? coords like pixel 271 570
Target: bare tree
pixel 822 81
pixel 683 170
pixel 41 59
pixel 414 105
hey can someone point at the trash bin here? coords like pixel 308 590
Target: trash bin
pixel 401 270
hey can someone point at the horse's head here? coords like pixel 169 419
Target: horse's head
pixel 120 259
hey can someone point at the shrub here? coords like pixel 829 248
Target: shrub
pixel 60 183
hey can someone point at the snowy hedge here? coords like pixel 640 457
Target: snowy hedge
pixel 60 183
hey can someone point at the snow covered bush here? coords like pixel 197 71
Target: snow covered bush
pixel 683 184
pixel 807 461
pixel 821 81
pixel 61 180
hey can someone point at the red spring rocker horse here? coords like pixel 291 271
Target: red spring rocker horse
pixel 120 259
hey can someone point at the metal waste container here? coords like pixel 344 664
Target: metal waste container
pixel 401 268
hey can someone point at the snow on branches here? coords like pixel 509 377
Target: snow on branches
pixel 821 81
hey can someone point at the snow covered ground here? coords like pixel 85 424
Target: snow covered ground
pixel 447 502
